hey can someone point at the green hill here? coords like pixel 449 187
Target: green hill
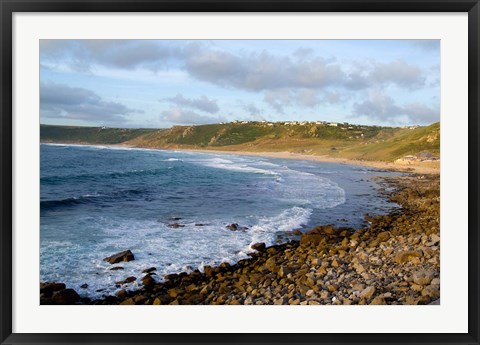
pixel 89 135
pixel 336 140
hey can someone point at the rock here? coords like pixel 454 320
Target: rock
pixel 175 225
pixel 174 218
pixel 66 296
pixel 84 286
pixel 149 270
pixel 367 292
pixel 121 294
pixel 148 280
pixel 423 277
pixel 379 300
pixel 383 236
pixel 116 268
pixel 200 224
pixel 259 246
pixel 129 301
pixel 434 239
pixel 284 271
pixel 233 226
pixel 432 291
pixel 126 256
pixel 406 256
pixel 48 288
pixel 157 301
pixel 127 280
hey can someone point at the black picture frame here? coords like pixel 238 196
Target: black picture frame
pixel 9 7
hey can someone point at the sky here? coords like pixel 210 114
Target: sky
pixel 162 83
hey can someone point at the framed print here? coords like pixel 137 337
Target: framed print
pixel 239 172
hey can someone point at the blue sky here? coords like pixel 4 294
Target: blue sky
pixel 160 83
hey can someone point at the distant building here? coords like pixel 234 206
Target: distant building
pixel 333 124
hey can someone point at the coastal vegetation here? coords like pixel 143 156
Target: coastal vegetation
pixel 337 140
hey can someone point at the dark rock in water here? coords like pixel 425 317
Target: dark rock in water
pixel 200 224
pixel 172 276
pixel 148 280
pixel 84 286
pixel 100 290
pixel 232 227
pixel 260 246
pixel 121 294
pixel 116 268
pixel 127 280
pixel 149 270
pixel 175 225
pixel 174 218
pixel 66 296
pixel 235 227
pixel 297 232
pixel 48 288
pixel 126 256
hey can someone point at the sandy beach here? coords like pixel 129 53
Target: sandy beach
pixel 416 167
pixel 412 167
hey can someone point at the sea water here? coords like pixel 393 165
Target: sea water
pixel 97 201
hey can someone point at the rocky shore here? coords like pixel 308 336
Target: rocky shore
pixel 394 259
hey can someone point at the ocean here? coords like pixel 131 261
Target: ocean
pixel 96 201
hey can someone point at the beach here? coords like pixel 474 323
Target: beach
pixel 394 259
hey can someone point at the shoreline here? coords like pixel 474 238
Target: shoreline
pixel 394 260
pixel 390 166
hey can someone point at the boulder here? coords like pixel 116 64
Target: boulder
pixel 259 246
pixel 126 256
pixel 233 226
pixel 367 292
pixel 148 280
pixel 84 286
pixel 423 277
pixel 149 270
pixel 406 256
pixel 66 296
pixel 49 288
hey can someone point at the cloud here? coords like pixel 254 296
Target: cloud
pixel 121 54
pixel 427 45
pixel 382 107
pixel 181 117
pixel 62 101
pixel 251 109
pixel 202 103
pixel 261 71
pixel 397 72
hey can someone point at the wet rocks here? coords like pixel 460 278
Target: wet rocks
pixel 57 293
pixel 393 259
pixel 116 268
pixel 236 227
pixel 175 225
pixel 66 296
pixel 260 246
pixel 48 288
pixel 125 256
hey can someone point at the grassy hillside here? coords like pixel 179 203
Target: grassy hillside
pixel 90 135
pixel 343 140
